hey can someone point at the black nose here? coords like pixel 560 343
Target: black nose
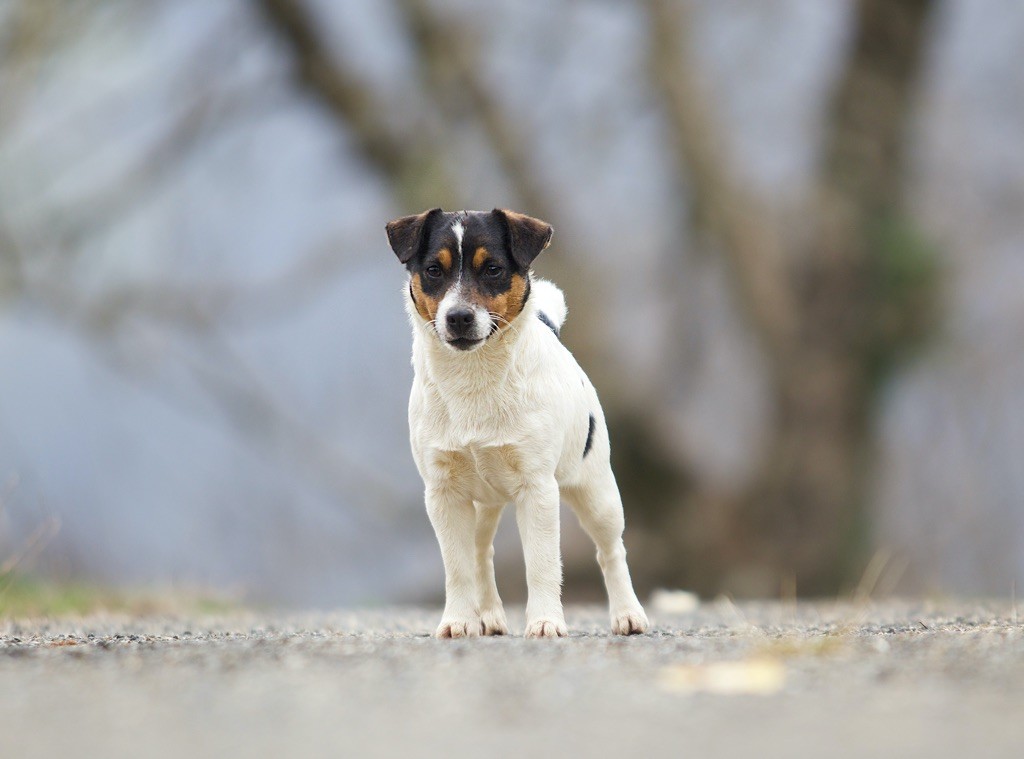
pixel 460 321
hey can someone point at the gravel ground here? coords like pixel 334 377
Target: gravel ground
pixel 901 679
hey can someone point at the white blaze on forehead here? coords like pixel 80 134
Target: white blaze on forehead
pixel 459 231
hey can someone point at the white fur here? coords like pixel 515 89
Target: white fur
pixel 550 300
pixel 507 423
pixel 459 231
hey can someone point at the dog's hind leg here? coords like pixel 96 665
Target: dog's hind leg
pixel 492 614
pixel 598 506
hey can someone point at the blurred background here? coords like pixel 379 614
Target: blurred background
pixel 790 234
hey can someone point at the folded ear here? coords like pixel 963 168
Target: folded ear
pixel 406 234
pixel 527 236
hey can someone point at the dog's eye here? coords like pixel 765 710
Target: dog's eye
pixel 433 271
pixel 493 271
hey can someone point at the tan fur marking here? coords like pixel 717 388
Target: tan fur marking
pixel 509 304
pixel 444 257
pixel 426 306
pixel 479 257
pixel 451 466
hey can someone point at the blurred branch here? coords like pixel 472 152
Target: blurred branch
pixel 33 544
pixel 244 402
pixel 207 107
pixel 746 233
pixel 452 64
pixel 451 67
pixel 199 305
pixel 88 217
pixel 11 272
pixel 193 305
pixel 337 87
pixel 51 279
pixel 352 104
pixel 297 285
pixel 255 412
pixel 196 312
pixel 29 30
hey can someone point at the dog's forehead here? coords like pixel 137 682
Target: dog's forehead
pixel 445 229
pixel 481 229
pixel 467 230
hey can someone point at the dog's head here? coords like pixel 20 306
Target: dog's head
pixel 469 270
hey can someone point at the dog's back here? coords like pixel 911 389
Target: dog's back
pixel 551 308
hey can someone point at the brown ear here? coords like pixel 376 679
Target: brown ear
pixel 527 236
pixel 406 234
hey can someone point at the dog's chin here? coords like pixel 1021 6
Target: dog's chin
pixel 465 344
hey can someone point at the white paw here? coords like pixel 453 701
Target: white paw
pixel 459 627
pixel 630 622
pixel 494 621
pixel 546 628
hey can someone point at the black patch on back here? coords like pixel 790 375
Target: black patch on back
pixel 551 325
pixel 590 434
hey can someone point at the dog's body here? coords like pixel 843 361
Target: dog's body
pixel 500 413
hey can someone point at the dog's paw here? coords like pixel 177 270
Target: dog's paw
pixel 456 627
pixel 494 622
pixel 630 622
pixel 546 628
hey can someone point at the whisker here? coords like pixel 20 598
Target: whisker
pixel 497 318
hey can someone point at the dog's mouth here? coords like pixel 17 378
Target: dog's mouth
pixel 465 343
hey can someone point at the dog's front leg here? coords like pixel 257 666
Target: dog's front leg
pixel 537 516
pixel 492 614
pixel 454 520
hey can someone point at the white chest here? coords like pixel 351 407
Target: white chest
pixel 464 418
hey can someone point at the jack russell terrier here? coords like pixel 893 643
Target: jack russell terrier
pixel 501 412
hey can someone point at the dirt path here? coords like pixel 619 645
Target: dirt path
pixel 765 680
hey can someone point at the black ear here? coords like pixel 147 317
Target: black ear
pixel 406 234
pixel 527 236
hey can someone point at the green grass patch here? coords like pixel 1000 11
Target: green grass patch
pixel 28 596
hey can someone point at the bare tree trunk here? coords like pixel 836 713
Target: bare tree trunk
pixel 822 317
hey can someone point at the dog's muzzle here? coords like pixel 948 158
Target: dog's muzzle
pixel 460 324
pixel 461 329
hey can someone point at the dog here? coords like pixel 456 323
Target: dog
pixel 500 412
